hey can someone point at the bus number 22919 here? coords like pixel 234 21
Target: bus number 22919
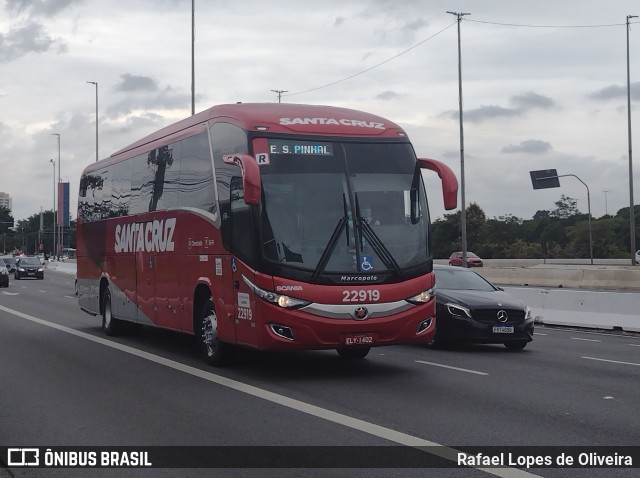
pixel 360 295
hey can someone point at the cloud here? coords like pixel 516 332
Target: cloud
pixel 31 38
pixel 617 91
pixel 522 104
pixel 530 146
pixel 136 83
pixel 415 25
pixel 38 8
pixel 388 95
pixel 531 100
pixel 478 115
pixel 168 98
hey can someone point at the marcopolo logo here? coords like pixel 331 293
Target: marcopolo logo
pixel 152 236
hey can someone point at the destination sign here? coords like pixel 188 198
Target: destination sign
pixel 307 148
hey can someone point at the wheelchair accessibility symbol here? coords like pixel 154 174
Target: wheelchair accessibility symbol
pixel 366 264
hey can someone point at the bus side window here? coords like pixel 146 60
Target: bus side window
pixel 141 185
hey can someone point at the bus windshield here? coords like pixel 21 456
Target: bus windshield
pixel 343 207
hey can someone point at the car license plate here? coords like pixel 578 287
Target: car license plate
pixel 31 273
pixel 359 339
pixel 503 329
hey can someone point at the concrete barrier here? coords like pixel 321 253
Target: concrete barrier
pixel 592 277
pixel 582 308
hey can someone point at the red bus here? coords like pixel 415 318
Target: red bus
pixel 272 226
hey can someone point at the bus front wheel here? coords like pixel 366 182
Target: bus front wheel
pixel 354 353
pixel 215 352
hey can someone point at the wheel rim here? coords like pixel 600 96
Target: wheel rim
pixel 210 333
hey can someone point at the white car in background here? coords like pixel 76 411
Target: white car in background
pixel 637 257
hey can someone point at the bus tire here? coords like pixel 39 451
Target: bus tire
pixel 110 325
pixel 353 353
pixel 214 351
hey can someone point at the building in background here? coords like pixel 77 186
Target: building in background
pixel 5 200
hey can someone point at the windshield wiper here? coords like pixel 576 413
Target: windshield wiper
pixel 375 242
pixel 328 251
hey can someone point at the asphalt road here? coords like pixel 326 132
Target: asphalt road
pixel 63 383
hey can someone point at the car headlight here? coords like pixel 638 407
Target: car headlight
pixel 41 269
pixel 281 300
pixel 458 310
pixel 4 272
pixel 527 313
pixel 20 269
pixel 423 297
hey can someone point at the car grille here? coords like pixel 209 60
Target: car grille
pixel 490 316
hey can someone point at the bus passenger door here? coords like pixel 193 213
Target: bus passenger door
pixel 244 304
pixel 145 278
pixel 242 237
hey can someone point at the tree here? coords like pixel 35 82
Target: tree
pixel 6 220
pixel 565 207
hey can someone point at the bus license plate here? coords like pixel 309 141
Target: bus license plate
pixel 503 329
pixel 359 339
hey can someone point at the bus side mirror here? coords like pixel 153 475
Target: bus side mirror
pixel 250 176
pixel 448 178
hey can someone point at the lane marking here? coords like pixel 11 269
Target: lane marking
pixel 538 333
pixel 385 433
pixel 452 367
pixel 611 361
pixel 586 340
pixel 634 345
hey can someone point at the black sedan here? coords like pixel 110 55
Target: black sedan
pixel 27 266
pixel 471 309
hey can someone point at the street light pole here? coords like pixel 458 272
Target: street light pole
pixel 632 211
pixel 53 223
pixel 96 83
pixel 58 218
pixel 193 57
pixel 463 205
pixel 606 207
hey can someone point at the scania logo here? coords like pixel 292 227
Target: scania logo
pixel 502 315
pixel 361 313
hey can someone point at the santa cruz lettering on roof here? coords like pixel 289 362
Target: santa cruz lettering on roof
pixel 152 236
pixel 332 121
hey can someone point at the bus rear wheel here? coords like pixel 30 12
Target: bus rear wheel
pixel 215 352
pixel 354 353
pixel 110 325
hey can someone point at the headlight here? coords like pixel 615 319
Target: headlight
pixel 21 269
pixel 281 300
pixel 458 310
pixel 423 297
pixel 527 314
pixel 41 269
pixel 4 272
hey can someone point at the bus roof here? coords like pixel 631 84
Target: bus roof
pixel 284 118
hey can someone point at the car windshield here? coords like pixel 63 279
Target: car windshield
pixel 343 207
pixel 29 261
pixel 461 279
pixel 9 260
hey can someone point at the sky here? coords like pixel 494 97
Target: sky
pixel 544 85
